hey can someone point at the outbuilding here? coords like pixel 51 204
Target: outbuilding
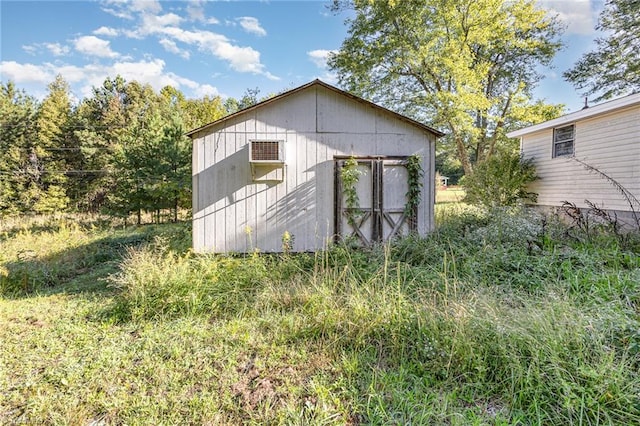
pixel 591 156
pixel 307 167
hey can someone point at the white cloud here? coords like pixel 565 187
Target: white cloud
pixel 94 46
pixel 252 25
pixel 167 27
pixel 106 31
pixel 199 89
pixel 57 49
pixel 171 46
pixel 31 49
pixel 242 59
pixel 86 77
pixel 195 10
pixel 207 90
pixel 119 10
pixel 152 24
pixel 578 15
pixel 25 73
pixel 320 56
pixel 151 6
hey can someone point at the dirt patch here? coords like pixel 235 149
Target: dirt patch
pixel 261 386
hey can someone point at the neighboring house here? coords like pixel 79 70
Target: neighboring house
pixel 270 176
pixel 604 137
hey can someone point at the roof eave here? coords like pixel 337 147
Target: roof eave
pixel 411 121
pixel 583 114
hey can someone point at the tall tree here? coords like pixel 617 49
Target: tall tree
pixel 19 170
pixel 52 149
pixel 613 68
pixel 462 65
pixel 101 124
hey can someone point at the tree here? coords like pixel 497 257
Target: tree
pixel 106 121
pixel 462 65
pixel 18 168
pixel 51 151
pixel 154 168
pixel 613 68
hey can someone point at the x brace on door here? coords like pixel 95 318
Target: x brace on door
pixel 368 224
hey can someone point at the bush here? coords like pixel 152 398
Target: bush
pixel 501 181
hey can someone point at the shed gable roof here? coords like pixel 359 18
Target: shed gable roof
pixel 583 114
pixel 313 83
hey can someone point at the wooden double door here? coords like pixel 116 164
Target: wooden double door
pixel 381 190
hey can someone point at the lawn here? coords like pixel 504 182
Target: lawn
pixel 449 194
pixel 501 317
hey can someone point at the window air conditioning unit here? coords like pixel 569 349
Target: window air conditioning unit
pixel 267 152
pixel 267 160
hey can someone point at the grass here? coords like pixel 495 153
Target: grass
pixel 499 318
pixel 450 194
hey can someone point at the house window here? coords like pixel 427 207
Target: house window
pixel 563 138
pixel 267 151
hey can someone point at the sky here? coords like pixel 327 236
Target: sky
pixel 212 47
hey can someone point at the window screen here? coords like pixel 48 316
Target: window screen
pixel 563 138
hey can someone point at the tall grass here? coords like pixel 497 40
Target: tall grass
pixel 494 314
pixel 498 317
pixel 47 253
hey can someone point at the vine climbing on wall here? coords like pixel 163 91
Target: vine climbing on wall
pixel 350 176
pixel 414 193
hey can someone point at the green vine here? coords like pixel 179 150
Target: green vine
pixel 350 176
pixel 414 193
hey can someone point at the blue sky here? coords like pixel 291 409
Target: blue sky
pixel 210 48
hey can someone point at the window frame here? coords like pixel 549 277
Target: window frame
pixel 556 141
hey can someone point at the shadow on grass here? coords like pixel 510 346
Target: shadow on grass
pixel 82 268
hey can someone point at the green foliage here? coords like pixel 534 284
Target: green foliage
pixel 501 181
pixel 613 67
pixel 51 255
pixel 120 150
pixel 20 169
pixel 350 175
pixel 464 66
pixel 156 284
pixel 414 181
pixel 498 317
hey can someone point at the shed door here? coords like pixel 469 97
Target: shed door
pixel 379 212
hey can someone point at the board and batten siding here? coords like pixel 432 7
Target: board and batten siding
pixel 609 142
pixel 233 213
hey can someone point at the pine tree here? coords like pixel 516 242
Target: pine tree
pixel 51 150
pixel 19 168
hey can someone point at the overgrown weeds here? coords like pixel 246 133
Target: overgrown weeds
pixel 48 255
pixel 498 317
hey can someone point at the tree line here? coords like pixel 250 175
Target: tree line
pixel 467 67
pixel 121 151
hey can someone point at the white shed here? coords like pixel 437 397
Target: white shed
pixel 273 172
pixel 566 150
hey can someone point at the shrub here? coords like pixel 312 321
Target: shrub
pixel 501 181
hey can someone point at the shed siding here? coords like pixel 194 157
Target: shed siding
pixel 232 213
pixel 610 143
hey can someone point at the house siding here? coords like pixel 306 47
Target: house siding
pixel 609 142
pixel 232 213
